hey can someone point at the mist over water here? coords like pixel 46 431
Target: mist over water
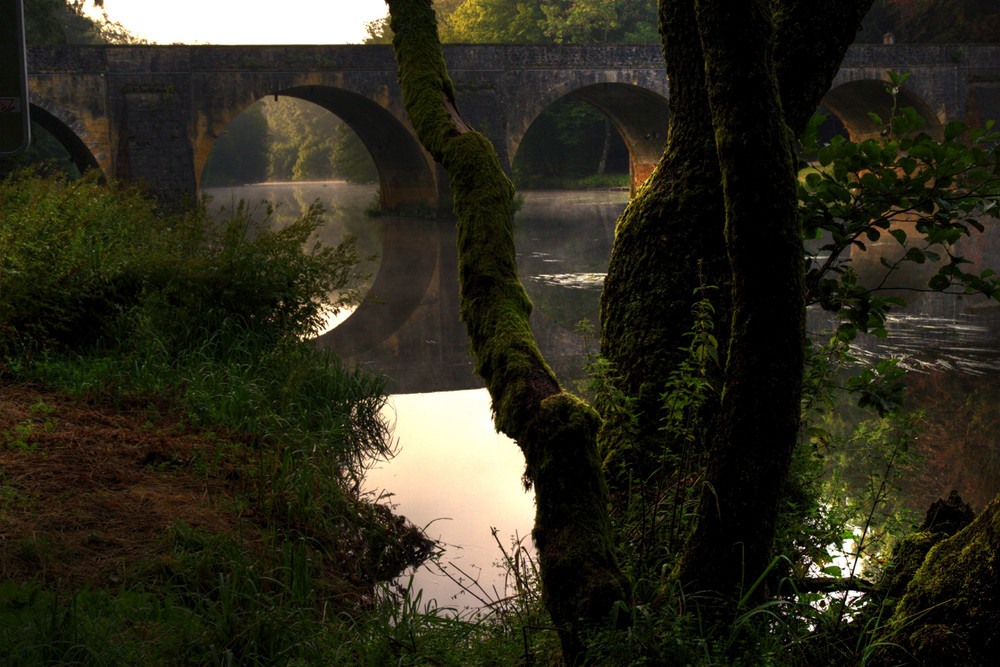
pixel 458 478
pixel 344 203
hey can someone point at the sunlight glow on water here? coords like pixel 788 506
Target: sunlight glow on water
pixel 456 477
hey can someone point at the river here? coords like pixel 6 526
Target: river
pixel 457 478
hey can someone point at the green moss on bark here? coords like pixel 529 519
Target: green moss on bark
pixel 556 432
pixel 944 518
pixel 759 415
pixel 674 223
pixel 951 609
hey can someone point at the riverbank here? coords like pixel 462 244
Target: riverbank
pixel 95 493
pixel 128 536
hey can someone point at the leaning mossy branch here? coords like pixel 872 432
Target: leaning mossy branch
pixel 556 432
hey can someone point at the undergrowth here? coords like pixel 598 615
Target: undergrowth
pixel 202 327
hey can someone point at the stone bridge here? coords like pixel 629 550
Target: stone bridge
pixel 152 114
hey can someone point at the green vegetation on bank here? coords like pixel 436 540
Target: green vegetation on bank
pixel 201 327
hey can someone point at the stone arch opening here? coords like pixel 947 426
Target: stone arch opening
pixel 406 256
pixel 564 236
pixel 853 102
pixel 406 173
pixel 638 114
pixel 77 151
pixel 408 193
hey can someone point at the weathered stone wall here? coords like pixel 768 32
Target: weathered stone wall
pixel 152 113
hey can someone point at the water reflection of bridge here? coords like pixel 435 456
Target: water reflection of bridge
pixel 153 113
pixel 409 327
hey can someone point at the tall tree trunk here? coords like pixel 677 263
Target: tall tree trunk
pixel 556 432
pixel 672 224
pixel 676 221
pixel 760 401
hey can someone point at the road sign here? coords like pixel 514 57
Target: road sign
pixel 14 128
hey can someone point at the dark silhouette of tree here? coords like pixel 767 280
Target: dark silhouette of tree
pixel 724 192
pixel 64 22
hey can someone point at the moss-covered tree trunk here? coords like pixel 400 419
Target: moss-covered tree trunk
pixel 950 611
pixel 673 223
pixel 555 431
pixel 678 220
pixel 760 403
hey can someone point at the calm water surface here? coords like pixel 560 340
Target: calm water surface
pixel 457 478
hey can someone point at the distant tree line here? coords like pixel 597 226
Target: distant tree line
pixel 48 22
pixel 634 21
pixel 287 139
pixel 524 22
pixel 933 21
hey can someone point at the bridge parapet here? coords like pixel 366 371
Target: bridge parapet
pixel 152 113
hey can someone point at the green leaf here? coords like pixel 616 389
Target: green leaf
pixel 938 282
pixel 954 129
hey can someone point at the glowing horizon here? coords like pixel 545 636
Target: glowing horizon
pixel 215 22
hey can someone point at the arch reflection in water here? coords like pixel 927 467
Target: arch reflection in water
pixel 344 204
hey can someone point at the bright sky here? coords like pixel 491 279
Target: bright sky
pixel 246 21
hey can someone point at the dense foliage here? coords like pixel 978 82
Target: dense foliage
pixel 64 22
pixel 517 22
pixel 933 22
pixel 287 140
pixel 84 264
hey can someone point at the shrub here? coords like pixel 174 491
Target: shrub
pixel 83 263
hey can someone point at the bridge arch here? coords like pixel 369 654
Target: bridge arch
pixel 406 174
pixel 638 113
pixel 407 186
pixel 852 102
pixel 67 130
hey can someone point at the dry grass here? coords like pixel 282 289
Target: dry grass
pixel 87 491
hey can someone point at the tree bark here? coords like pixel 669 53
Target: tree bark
pixel 760 401
pixel 673 223
pixel 678 219
pixel 950 611
pixel 556 432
